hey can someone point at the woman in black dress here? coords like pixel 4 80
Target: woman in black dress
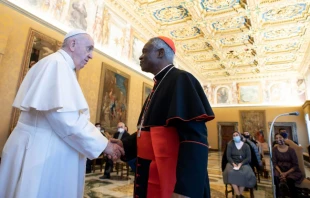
pixel 286 169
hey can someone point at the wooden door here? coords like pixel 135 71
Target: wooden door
pixel 226 135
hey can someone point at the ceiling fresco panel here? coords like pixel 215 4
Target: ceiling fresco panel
pixel 286 13
pixel 212 7
pixel 218 41
pixel 231 24
pixel 186 33
pixel 283 32
pixel 171 14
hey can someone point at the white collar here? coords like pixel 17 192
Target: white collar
pixel 162 69
pixel 67 58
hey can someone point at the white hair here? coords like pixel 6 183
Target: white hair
pixel 159 43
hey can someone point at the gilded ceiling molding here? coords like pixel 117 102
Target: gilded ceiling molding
pixel 283 33
pixel 221 6
pixel 186 33
pixel 268 1
pixel 236 40
pixel 282 47
pixel 229 25
pixel 171 15
pixel 289 13
pixel 280 59
pixel 196 47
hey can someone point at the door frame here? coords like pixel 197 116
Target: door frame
pixel 290 124
pixel 219 129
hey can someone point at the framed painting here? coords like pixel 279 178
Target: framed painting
pixel 253 121
pixel 38 46
pixel 249 93
pixel 222 95
pixel 147 89
pixel 113 98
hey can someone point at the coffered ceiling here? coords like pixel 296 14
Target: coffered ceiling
pixel 228 40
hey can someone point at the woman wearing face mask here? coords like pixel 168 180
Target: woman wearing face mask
pixel 286 167
pixel 238 172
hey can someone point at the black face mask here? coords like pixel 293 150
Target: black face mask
pixel 246 136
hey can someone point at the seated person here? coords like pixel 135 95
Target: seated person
pixel 238 172
pixel 258 161
pixel 284 134
pixel 120 134
pixel 88 161
pixel 286 169
pixel 105 133
pixel 131 163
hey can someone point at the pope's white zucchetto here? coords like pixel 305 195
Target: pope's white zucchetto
pixel 74 32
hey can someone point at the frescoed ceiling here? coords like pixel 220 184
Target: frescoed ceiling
pixel 228 40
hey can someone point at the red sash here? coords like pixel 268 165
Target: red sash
pixel 161 145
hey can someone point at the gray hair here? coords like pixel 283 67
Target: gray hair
pixel 158 43
pixel 65 43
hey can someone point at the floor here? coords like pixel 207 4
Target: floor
pixel 123 188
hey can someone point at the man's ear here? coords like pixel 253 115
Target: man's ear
pixel 161 53
pixel 72 44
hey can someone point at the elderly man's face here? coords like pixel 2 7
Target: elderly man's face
pixel 121 125
pixel 83 47
pixel 148 59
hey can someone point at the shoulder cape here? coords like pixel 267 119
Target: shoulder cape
pixel 179 97
pixel 51 84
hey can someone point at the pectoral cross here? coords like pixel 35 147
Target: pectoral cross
pixel 140 127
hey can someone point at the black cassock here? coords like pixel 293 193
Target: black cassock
pixel 172 149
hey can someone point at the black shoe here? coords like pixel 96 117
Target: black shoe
pixel 284 190
pixel 105 177
pixel 88 171
pixel 241 196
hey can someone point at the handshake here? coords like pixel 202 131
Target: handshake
pixel 114 149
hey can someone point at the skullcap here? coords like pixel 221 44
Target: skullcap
pixel 168 41
pixel 74 32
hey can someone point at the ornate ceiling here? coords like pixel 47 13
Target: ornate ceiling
pixel 228 40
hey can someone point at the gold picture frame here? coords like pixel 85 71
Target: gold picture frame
pixel 147 89
pixel 38 46
pixel 249 93
pixel 112 98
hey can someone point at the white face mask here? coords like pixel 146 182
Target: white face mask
pixel 121 130
pixel 99 128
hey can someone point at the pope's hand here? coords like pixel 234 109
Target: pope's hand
pixel 114 151
pixel 117 141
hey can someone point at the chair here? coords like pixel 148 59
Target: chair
pixel 233 193
pixel 224 162
pixel 119 166
pixel 303 189
pixel 101 158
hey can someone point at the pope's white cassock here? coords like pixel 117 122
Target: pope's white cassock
pixel 44 156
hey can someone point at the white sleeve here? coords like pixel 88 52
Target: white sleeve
pixel 75 129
